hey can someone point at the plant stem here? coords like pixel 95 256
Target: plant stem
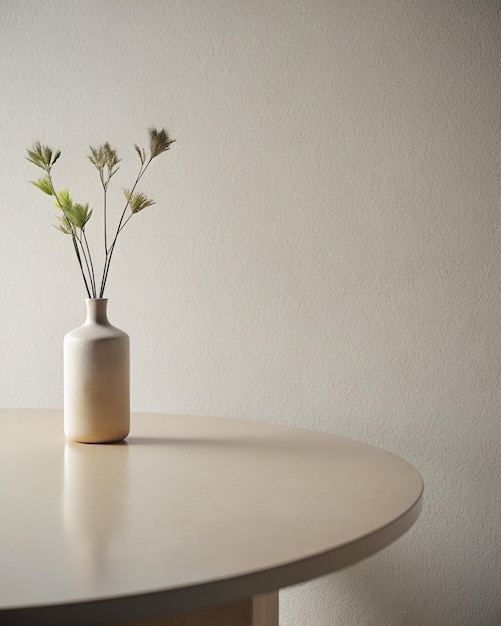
pixel 91 272
pixel 73 237
pixel 75 245
pixel 105 222
pixel 121 225
pixel 125 223
pixel 87 261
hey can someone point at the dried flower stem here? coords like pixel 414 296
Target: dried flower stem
pixel 75 216
pixel 79 252
pixel 120 227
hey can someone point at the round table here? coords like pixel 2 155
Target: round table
pixel 189 513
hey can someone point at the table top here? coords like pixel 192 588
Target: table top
pixel 188 512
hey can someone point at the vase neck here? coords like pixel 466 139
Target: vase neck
pixel 96 310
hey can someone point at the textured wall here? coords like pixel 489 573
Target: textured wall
pixel 324 252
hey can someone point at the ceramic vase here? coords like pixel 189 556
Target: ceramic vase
pixel 96 379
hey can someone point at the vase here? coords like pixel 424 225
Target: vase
pixel 96 379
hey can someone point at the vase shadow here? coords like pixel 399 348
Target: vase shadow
pixel 197 441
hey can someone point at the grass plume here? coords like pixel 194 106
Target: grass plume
pixel 72 217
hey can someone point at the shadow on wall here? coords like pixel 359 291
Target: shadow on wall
pixel 376 591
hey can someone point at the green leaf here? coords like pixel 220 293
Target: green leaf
pixel 55 157
pixel 64 226
pixel 42 156
pixel 44 184
pixel 47 154
pixel 35 155
pixel 63 199
pixel 78 214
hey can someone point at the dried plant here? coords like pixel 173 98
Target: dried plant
pixel 72 217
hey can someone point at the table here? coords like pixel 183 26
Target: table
pixel 199 520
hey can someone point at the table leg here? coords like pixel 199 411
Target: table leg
pixel 259 610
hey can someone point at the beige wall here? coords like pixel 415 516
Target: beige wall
pixel 324 252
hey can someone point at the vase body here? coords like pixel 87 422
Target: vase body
pixel 96 379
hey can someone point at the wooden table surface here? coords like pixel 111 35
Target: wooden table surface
pixel 190 512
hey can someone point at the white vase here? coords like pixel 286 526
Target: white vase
pixel 96 379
